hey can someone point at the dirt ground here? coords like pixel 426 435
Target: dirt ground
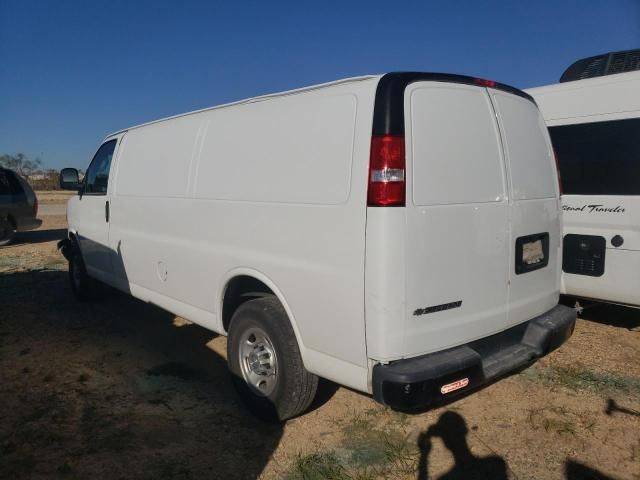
pixel 123 390
pixel 54 196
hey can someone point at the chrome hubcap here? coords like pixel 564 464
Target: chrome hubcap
pixel 258 361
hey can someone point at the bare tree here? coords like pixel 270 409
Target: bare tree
pixel 20 163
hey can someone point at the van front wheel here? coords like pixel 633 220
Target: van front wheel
pixel 265 362
pixel 84 287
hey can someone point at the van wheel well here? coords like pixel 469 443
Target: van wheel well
pixel 239 290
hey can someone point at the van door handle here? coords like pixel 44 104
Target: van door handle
pixel 106 211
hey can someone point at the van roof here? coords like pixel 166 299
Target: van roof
pixel 253 100
pixel 388 116
pixel 391 86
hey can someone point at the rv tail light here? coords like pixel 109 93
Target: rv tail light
pixel 484 82
pixel 387 171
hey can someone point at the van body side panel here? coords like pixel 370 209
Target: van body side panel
pixel 278 186
pixel 299 150
pixel 303 178
pixel 535 205
pixel 151 214
pixel 385 282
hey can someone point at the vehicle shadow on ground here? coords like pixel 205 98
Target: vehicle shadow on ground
pixel 614 315
pixel 452 429
pixel 115 390
pixel 39 236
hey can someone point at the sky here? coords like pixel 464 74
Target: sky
pixel 73 71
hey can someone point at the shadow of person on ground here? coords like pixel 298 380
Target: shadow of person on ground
pixel 613 407
pixel 452 430
pixel 577 471
pixel 115 389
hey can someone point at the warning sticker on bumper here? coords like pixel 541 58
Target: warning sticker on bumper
pixel 453 386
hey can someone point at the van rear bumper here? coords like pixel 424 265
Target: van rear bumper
pixel 419 382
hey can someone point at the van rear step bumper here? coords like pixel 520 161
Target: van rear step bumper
pixel 419 382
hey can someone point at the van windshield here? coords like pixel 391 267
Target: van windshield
pixel 600 158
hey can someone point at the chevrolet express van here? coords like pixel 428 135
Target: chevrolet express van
pixel 397 234
pixel 593 117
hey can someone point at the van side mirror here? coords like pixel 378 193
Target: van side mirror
pixel 69 179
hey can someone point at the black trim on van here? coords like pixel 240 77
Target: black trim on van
pixel 420 382
pixel 388 113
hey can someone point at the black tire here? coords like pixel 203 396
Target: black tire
pixel 293 387
pixel 7 232
pixel 84 287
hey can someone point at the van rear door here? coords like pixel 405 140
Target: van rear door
pixel 458 243
pixel 534 259
pixel 475 246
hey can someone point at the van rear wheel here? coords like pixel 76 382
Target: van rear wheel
pixel 265 362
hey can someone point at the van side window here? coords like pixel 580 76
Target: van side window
pixel 97 178
pixel 601 158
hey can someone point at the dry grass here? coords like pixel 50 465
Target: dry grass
pixel 374 445
pixel 582 379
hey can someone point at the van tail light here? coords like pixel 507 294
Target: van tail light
pixel 483 82
pixel 387 171
pixel 555 156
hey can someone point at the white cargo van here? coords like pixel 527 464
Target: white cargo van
pixel 593 117
pixel 398 234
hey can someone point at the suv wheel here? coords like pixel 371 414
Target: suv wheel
pixel 265 362
pixel 7 232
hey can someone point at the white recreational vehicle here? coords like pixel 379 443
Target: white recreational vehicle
pixel 398 234
pixel 593 117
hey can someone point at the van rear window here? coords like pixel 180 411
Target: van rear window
pixel 600 158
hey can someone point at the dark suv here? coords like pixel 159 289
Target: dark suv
pixel 18 206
